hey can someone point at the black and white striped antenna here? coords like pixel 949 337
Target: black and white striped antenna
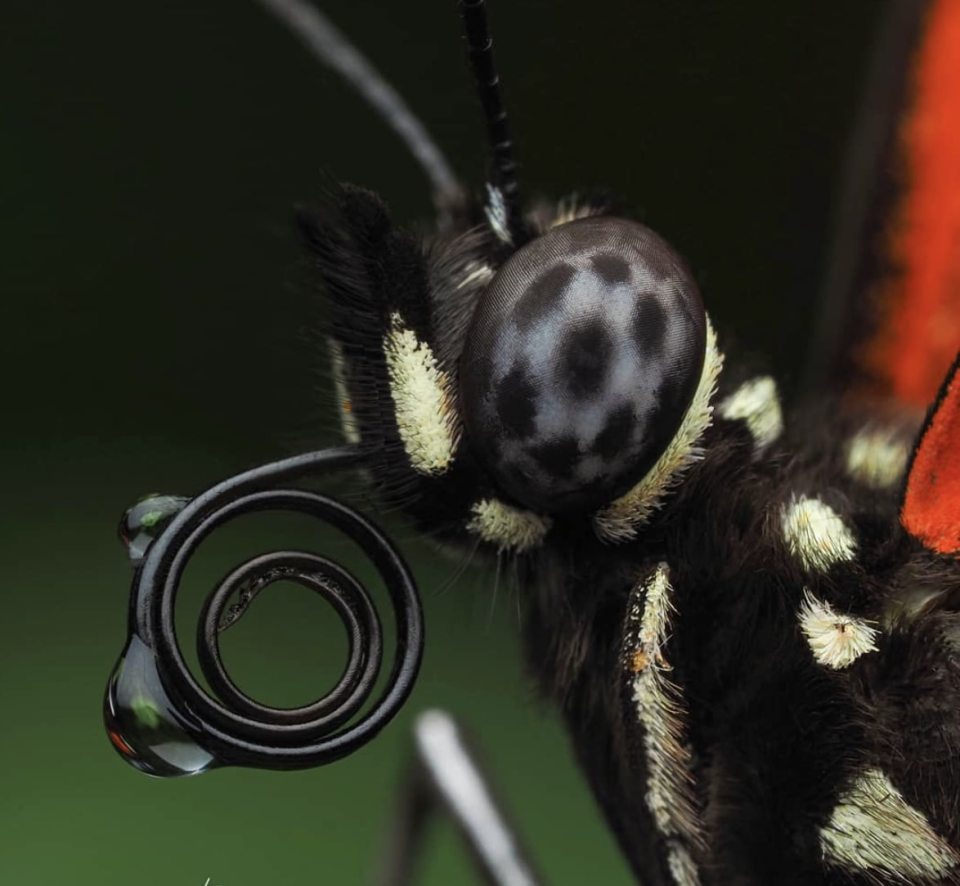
pixel 503 208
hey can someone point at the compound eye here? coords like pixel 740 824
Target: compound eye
pixel 580 363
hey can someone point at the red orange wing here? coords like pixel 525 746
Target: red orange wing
pixel 891 303
pixel 931 502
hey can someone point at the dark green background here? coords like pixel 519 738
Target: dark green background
pixel 155 336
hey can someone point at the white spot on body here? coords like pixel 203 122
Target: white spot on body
pixel 622 520
pixel 835 640
pixel 757 404
pixel 815 534
pixel 661 711
pixel 509 528
pixel 877 457
pixel 423 400
pixel 874 829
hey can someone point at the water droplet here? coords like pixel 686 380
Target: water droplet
pixel 143 522
pixel 142 723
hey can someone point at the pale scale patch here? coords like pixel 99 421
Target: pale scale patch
pixel 571 209
pixel 877 457
pixel 477 273
pixel 423 400
pixel 510 529
pixel 661 711
pixel 757 404
pixel 622 520
pixel 874 829
pixel 835 640
pixel 815 533
pixel 348 421
pixel 683 869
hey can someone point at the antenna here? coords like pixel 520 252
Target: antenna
pixel 503 206
pixel 334 50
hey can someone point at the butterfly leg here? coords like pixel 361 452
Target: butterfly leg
pixel 444 778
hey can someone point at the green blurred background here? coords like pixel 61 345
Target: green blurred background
pixel 156 336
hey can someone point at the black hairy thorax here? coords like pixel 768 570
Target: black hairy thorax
pixel 775 734
pixel 715 603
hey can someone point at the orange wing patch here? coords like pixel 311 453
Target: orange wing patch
pixel 931 502
pixel 920 326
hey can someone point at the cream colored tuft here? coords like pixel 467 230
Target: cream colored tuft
pixel 477 273
pixel 683 869
pixel 877 457
pixel 623 519
pixel 815 534
pixel 756 403
pixel 348 421
pixel 509 528
pixel 570 209
pixel 835 640
pixel 874 829
pixel 662 713
pixel 423 400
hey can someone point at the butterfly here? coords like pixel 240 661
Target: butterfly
pixel 747 618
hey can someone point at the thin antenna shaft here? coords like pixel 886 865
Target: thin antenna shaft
pixel 503 175
pixel 334 50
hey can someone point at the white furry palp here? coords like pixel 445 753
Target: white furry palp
pixel 510 529
pixel 423 400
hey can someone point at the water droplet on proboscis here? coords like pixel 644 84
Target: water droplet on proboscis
pixel 142 723
pixel 144 521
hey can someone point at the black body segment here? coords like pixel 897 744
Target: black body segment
pixel 780 739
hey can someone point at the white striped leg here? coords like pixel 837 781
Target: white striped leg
pixel 444 778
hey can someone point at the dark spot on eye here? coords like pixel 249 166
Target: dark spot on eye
pixel 611 268
pixel 544 293
pixel 560 458
pixel 584 357
pixel 649 325
pixel 615 436
pixel 516 403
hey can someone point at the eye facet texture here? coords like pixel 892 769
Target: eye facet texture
pixel 580 362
